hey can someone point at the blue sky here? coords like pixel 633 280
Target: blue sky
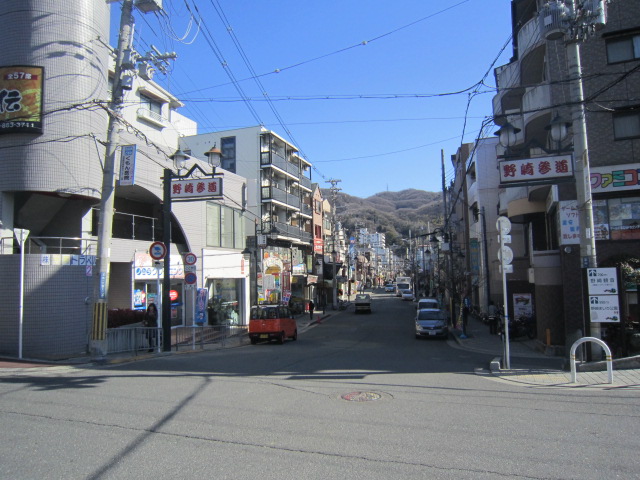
pixel 366 89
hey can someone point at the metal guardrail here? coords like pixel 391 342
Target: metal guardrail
pixel 134 339
pixel 192 337
pixel 52 245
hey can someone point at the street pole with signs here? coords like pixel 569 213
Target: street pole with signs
pixel 505 255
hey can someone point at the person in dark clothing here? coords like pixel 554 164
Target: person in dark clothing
pixel 311 307
pixel 493 318
pixel 151 321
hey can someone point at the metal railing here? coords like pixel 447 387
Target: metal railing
pixel 134 339
pixel 51 245
pixel 192 337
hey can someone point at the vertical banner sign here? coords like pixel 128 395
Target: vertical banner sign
pixel 127 165
pixel 201 306
pixel 21 99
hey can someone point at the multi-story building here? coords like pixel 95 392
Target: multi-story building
pixel 540 196
pixel 51 185
pixel 278 201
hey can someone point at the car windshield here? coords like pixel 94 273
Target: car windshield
pixel 430 315
pixel 362 297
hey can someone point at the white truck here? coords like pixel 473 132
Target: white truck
pixel 402 283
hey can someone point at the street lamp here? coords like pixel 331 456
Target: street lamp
pixel 334 257
pixel 179 161
pixel 507 135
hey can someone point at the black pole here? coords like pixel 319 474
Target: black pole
pixel 166 239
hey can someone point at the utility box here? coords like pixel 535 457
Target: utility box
pixel 147 6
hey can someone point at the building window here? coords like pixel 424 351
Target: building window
pixel 152 105
pixel 624 218
pixel 225 227
pixel 228 158
pixel 626 125
pixel 623 49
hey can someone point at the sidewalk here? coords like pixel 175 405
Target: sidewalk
pixel 525 353
pixel 12 365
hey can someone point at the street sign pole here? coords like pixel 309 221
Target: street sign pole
pixel 21 235
pixel 505 255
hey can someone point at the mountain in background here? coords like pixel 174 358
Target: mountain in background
pixel 393 213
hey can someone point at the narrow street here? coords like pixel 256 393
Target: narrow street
pixel 356 396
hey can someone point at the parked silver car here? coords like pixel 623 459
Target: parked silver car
pixel 431 322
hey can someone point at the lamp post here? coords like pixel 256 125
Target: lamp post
pixel 334 258
pixel 179 160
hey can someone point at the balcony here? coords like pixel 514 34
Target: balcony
pixel 529 37
pixel 509 96
pixel 272 193
pixel 275 159
pixel 536 103
pixel 306 210
pixel 151 117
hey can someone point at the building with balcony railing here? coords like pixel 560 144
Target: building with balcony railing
pixel 278 200
pixel 538 191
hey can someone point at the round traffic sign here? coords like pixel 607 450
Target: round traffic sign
pixel 190 278
pixel 190 258
pixel 505 255
pixel 503 224
pixel 158 250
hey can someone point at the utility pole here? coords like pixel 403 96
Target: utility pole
pixel 125 63
pixel 334 195
pixel 105 222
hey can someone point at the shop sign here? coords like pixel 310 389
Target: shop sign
pixel 21 99
pixel 569 220
pixel 536 170
pixel 615 178
pixel 127 165
pixel 196 188
pixel 201 306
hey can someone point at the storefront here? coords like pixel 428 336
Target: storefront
pixel 226 278
pixel 147 285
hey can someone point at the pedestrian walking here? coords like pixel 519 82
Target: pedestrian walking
pixel 493 318
pixel 150 321
pixel 311 307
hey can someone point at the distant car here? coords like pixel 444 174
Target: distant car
pixel 407 294
pixel 363 302
pixel 389 287
pixel 431 322
pixel 427 303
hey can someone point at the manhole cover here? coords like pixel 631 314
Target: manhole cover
pixel 361 396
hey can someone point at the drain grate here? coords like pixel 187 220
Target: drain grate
pixel 361 396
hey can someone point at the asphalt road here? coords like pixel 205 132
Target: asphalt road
pixel 356 397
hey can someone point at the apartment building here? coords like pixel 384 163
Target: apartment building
pixel 51 184
pixel 539 193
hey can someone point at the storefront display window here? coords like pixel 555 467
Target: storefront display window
pixel 624 218
pixel 224 301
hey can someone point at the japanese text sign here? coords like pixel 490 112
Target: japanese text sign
pixel 127 165
pixel 21 99
pixel 536 169
pixel 196 188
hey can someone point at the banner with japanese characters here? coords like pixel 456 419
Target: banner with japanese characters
pixel 21 99
pixel 535 170
pixel 569 220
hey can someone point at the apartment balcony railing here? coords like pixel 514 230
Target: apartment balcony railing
pixel 529 36
pixel 151 117
pixel 50 245
pixel 273 158
pixel 292 231
pixel 507 78
pixel 306 210
pixel 536 101
pixel 305 182
pixel 273 193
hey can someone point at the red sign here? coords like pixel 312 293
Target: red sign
pixel 538 169
pixel 158 250
pixel 173 295
pixel 197 188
